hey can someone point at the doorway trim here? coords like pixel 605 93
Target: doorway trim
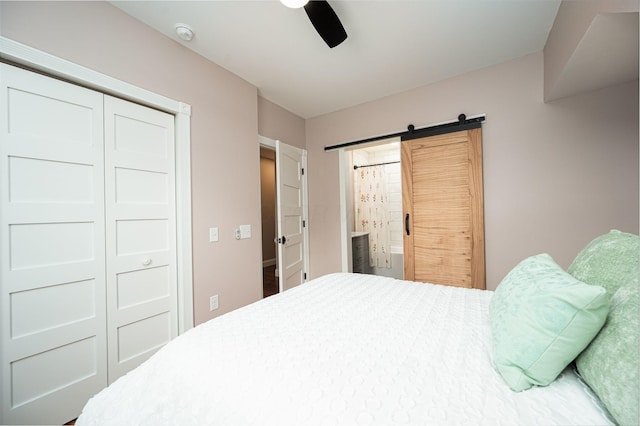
pixel 20 54
pixel 344 167
pixel 346 218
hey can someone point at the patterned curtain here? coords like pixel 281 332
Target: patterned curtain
pixel 371 213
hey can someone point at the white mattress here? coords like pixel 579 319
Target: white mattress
pixel 343 349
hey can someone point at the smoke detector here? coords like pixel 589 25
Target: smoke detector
pixel 184 31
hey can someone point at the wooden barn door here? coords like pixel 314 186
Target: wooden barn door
pixel 442 199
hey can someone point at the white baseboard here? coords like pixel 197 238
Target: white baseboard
pixel 268 262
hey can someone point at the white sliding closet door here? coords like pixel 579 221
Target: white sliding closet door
pixel 53 330
pixel 141 233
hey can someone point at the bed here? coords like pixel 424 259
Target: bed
pixel 353 349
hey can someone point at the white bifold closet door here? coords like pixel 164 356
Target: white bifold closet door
pixel 87 251
pixel 141 233
pixel 52 247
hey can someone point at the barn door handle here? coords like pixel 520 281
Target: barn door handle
pixel 406 224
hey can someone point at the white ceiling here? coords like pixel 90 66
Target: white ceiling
pixel 392 45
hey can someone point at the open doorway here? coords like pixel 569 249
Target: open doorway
pixel 284 195
pixel 268 201
pixel 374 186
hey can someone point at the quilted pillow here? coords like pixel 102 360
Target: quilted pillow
pixel 610 261
pixel 610 363
pixel 541 319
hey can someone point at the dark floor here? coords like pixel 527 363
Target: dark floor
pixel 269 281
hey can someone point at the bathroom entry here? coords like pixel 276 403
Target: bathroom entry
pixel 376 210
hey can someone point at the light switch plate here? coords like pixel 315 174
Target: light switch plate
pixel 245 231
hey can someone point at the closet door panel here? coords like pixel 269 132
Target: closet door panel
pixel 135 236
pixel 40 365
pixel 32 313
pixel 53 320
pixel 136 338
pixel 136 287
pixel 66 183
pixel 139 186
pixel 38 245
pixel 141 233
pixel 45 111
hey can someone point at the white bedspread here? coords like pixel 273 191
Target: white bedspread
pixel 343 349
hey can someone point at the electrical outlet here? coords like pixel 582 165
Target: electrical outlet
pixel 213 303
pixel 213 234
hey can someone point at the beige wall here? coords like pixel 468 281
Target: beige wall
pixel 224 128
pixel 555 175
pixel 277 123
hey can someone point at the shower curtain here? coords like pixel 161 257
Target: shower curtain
pixel 371 213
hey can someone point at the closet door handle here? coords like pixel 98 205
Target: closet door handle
pixel 406 224
pixel 146 262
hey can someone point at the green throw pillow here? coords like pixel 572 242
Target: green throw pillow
pixel 610 363
pixel 610 261
pixel 541 319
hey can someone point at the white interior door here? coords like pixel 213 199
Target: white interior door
pixel 52 270
pixel 291 197
pixel 141 233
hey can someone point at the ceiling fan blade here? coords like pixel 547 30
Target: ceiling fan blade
pixel 326 22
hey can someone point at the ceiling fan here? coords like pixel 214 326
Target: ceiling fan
pixel 323 18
